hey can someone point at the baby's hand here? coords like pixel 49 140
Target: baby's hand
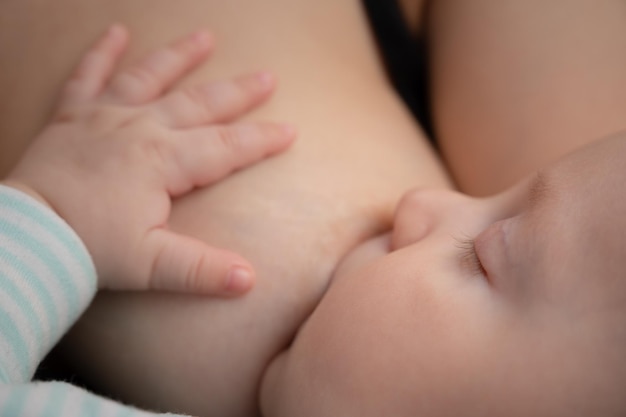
pixel 117 153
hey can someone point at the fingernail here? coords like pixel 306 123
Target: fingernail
pixel 289 130
pixel 239 280
pixel 265 80
pixel 201 38
pixel 115 30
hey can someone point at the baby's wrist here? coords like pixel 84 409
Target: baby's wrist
pixel 27 190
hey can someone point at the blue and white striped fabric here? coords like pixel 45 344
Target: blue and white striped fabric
pixel 47 279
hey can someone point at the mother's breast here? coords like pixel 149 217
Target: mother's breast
pixel 293 216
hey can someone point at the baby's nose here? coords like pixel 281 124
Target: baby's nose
pixel 419 213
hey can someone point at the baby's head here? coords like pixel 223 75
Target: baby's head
pixel 508 306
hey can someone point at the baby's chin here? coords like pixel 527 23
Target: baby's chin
pixel 362 254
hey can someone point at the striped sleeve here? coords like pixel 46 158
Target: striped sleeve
pixel 59 399
pixel 47 279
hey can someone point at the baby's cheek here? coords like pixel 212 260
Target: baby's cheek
pixel 287 389
pixel 311 377
pixel 297 385
pixel 273 395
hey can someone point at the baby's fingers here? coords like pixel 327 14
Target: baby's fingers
pixel 150 77
pixel 217 102
pixel 94 69
pixel 183 264
pixel 204 156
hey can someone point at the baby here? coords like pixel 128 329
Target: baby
pixel 88 205
pixel 513 305
pixel 525 325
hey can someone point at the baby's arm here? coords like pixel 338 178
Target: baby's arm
pixel 47 279
pixel 87 207
pixel 115 157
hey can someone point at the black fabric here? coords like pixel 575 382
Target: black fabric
pixel 404 56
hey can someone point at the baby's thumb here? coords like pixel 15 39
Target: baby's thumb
pixel 184 264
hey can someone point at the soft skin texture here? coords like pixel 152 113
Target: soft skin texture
pixel 108 164
pixel 292 218
pixel 116 153
pixel 525 319
pixel 517 84
pixel 295 216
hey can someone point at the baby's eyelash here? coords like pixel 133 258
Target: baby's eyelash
pixel 469 258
